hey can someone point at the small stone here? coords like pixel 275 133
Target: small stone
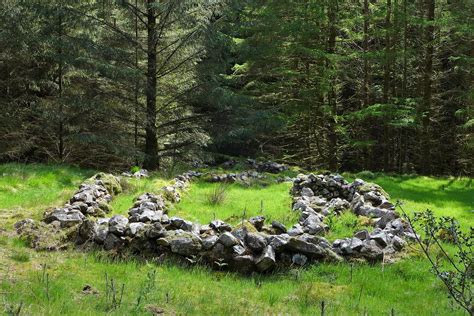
pixel 134 228
pixel 257 222
pixel 209 242
pixel 381 238
pixel 279 227
pixel 112 242
pixel 307 192
pixel 154 231
pixel 220 226
pixel 118 225
pixel 371 251
pixel 255 241
pixel 278 242
pixel 228 240
pixel 296 230
pixel 398 243
pixel 299 259
pixel 184 243
pixel 238 250
pixel 362 234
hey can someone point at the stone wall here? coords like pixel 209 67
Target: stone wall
pixel 253 245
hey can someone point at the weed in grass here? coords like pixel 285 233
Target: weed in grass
pixel 44 281
pixel 20 256
pixel 113 293
pixel 218 195
pixel 12 310
pixel 148 286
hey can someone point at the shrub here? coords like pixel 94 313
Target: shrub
pixel 366 175
pixel 217 195
pixel 135 169
pixel 454 268
pixel 20 256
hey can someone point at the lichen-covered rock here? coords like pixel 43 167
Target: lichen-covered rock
pixel 109 181
pixel 184 243
pixel 255 241
pixel 118 225
pixel 257 222
pixel 66 218
pixel 371 251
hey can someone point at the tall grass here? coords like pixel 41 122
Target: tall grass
pixel 218 195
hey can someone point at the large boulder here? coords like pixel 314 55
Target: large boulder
pixel 307 245
pixel 371 251
pixel 118 225
pixel 255 241
pixel 185 244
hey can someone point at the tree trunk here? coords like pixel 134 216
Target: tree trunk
pixel 151 142
pixel 365 87
pixel 388 46
pixel 60 85
pixel 332 97
pixel 405 47
pixel 137 109
pixel 425 159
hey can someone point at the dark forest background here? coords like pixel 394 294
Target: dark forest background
pixel 382 85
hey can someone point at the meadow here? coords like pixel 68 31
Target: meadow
pixel 74 282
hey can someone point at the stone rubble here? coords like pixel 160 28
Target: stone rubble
pixel 92 199
pixel 253 245
pixel 236 177
pixel 268 166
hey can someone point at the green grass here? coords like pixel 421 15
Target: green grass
pixel 406 286
pixel 26 186
pixel 27 190
pixel 273 199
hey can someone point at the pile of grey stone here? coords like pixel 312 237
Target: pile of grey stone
pixel 236 177
pixel 318 196
pixel 253 244
pixel 92 199
pixel 142 173
pixel 267 166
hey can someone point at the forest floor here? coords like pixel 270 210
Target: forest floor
pixel 51 283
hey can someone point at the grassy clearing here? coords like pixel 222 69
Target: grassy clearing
pixel 273 201
pixel 444 196
pixel 27 190
pixel 407 286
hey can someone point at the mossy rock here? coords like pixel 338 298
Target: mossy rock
pixel 368 187
pixel 365 221
pixel 111 182
pixel 105 207
pixel 50 237
pixel 247 225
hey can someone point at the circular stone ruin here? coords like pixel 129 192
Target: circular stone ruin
pixel 253 245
